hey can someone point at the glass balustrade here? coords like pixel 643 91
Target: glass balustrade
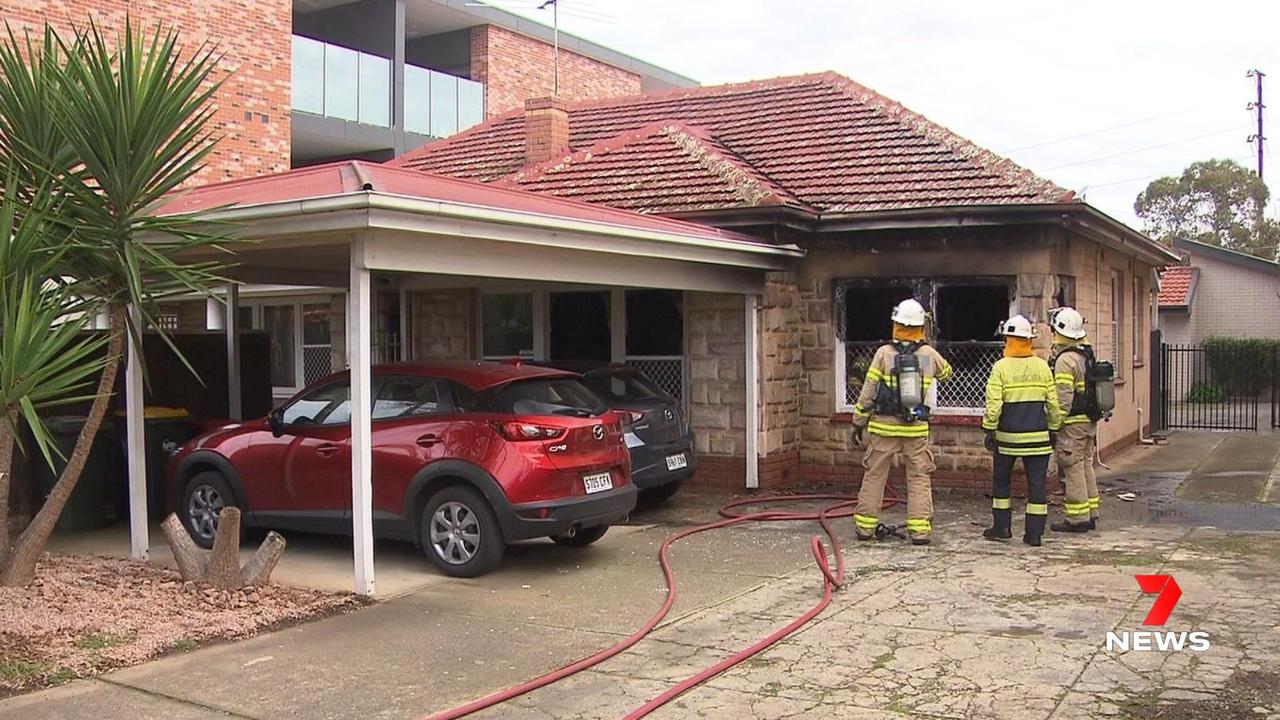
pixel 338 82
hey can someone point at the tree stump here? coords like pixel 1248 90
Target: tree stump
pixel 224 559
pixel 221 567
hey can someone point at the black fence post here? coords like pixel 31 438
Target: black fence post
pixel 1154 377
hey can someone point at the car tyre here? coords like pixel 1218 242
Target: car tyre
pixel 661 493
pixel 460 533
pixel 203 499
pixel 581 538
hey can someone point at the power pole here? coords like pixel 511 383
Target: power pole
pixel 1257 106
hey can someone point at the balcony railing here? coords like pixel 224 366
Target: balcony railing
pixel 346 84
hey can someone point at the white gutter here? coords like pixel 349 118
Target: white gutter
pixel 373 200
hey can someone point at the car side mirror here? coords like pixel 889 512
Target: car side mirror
pixel 275 420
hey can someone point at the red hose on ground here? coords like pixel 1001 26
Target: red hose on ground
pixel 831 580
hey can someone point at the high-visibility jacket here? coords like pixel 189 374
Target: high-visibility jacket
pixel 932 367
pixel 1022 406
pixel 1069 378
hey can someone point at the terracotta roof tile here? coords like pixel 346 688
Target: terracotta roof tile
pixel 816 141
pixel 1177 285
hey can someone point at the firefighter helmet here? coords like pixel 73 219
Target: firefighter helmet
pixel 1017 326
pixel 1068 322
pixel 908 312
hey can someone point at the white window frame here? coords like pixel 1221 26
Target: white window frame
pixel 540 317
pixel 297 301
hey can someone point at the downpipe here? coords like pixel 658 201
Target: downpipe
pixel 841 506
pixel 1143 440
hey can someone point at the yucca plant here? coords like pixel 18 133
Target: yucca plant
pixel 46 358
pixel 130 124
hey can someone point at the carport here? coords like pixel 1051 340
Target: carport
pixel 334 225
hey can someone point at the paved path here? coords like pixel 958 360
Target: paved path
pixel 962 629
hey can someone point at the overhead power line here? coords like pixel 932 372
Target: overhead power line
pixel 1143 149
pixel 1099 131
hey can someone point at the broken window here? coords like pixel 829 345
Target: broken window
pixel 965 315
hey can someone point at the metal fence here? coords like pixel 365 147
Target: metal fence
pixel 971 363
pixel 665 370
pixel 1218 389
pixel 317 361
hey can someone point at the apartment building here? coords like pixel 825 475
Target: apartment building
pixel 309 81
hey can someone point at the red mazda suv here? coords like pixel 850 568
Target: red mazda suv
pixel 467 457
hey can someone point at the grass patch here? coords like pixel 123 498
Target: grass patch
pixel 883 660
pixel 183 645
pixel 100 641
pixel 1118 558
pixel 21 669
pixel 896 706
pixel 62 675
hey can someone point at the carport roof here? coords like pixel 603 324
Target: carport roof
pixel 355 176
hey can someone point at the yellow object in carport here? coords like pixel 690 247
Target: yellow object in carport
pixel 159 412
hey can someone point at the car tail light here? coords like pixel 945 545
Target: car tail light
pixel 527 431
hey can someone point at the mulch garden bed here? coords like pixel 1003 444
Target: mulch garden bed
pixel 86 615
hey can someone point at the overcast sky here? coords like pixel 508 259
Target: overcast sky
pixel 1026 79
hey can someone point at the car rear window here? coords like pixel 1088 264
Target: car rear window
pixel 547 396
pixel 624 386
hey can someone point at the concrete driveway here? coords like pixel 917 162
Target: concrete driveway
pixel 961 629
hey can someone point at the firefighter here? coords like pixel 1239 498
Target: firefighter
pixel 1022 414
pixel 1072 360
pixel 891 418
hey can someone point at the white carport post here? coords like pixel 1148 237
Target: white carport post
pixel 135 447
pixel 752 391
pixel 232 325
pixel 359 342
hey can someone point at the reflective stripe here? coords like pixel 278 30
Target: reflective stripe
pixel 989 426
pixel 1071 509
pixel 1076 420
pixel 1064 376
pixel 866 522
pixel 944 373
pixel 1025 452
pixel 1031 436
pixel 1027 393
pixel 907 431
pixel 1094 503
pixel 1000 503
pixel 919 525
pixel 874 374
pixel 857 410
pixel 1037 509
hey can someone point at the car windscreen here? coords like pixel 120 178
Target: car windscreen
pixel 547 396
pixel 625 386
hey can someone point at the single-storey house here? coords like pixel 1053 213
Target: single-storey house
pixel 883 203
pixel 1216 292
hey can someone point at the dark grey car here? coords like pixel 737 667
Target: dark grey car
pixel 656 432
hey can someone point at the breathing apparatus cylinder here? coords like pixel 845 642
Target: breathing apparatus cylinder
pixel 1104 386
pixel 910 385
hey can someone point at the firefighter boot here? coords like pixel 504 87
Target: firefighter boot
pixel 1001 520
pixel 1066 527
pixel 1034 530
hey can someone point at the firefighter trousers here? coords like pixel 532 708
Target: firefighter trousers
pixel 1074 451
pixel 876 461
pixel 1036 467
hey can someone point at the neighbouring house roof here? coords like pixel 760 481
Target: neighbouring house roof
pixel 819 142
pixel 355 176
pixel 1235 257
pixel 1178 287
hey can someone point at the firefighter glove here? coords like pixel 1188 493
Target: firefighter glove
pixel 989 442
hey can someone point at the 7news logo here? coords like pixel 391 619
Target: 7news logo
pixel 1167 593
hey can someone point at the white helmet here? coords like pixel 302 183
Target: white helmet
pixel 908 312
pixel 1017 326
pixel 1068 322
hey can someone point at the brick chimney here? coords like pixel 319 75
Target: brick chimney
pixel 546 129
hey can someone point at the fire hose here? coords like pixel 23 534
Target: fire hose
pixel 831 581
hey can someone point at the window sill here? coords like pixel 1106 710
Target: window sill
pixel 844 418
pixel 1138 364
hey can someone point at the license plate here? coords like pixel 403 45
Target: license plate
pixel 677 462
pixel 598 482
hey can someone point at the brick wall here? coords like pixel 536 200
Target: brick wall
pixel 442 324
pixel 515 67
pixel 252 107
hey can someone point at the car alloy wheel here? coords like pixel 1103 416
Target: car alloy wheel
pixel 455 533
pixel 203 508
